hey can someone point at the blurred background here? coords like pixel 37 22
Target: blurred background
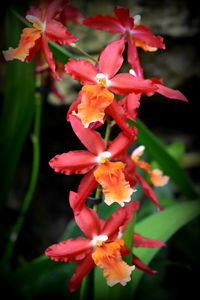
pixel 170 120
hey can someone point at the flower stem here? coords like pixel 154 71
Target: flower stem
pixel 73 45
pixel 108 131
pixel 106 139
pixel 88 280
pixel 87 287
pixel 33 179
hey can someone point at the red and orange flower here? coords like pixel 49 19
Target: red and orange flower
pixel 97 161
pixel 44 28
pixel 100 82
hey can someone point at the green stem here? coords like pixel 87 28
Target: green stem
pixel 22 19
pixel 88 284
pixel 33 179
pixel 108 131
pixel 87 287
pixel 106 139
pixel 73 45
pixel 128 239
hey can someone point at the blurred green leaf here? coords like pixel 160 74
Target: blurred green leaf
pixel 42 275
pixel 168 164
pixel 177 151
pixel 17 108
pixel 60 53
pixel 170 221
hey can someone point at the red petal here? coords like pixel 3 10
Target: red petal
pixel 140 265
pixel 133 58
pixel 70 13
pixel 130 209
pixel 114 222
pixel 82 70
pixel 130 103
pixel 91 139
pixel 124 251
pixel 111 58
pixel 82 268
pixel 49 56
pixel 87 184
pixel 170 93
pixel 129 171
pixel 141 241
pixel 69 250
pixel 143 34
pixel 119 144
pixel 74 105
pixel 125 83
pixel 148 190
pixel 88 221
pixel 57 32
pixel 117 112
pixel 54 7
pixel 105 23
pixel 124 18
pixel 35 50
pixel 78 162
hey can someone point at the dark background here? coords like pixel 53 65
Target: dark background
pixel 171 120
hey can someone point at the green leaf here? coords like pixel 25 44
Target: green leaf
pixel 161 225
pixel 17 108
pixel 170 221
pixel 42 275
pixel 60 53
pixel 168 164
pixel 177 151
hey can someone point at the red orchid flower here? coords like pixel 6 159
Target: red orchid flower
pixel 100 82
pixel 101 247
pixel 97 161
pixel 45 28
pixel 132 32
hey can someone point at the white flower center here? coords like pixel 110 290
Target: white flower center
pixel 132 72
pixel 103 157
pixel 99 239
pixel 137 20
pixel 137 152
pixel 102 79
pixel 36 22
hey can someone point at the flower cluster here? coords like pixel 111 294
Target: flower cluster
pixel 107 97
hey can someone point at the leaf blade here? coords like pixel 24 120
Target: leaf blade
pixel 168 164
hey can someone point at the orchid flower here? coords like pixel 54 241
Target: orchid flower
pixel 132 32
pixel 100 82
pixel 133 177
pixel 97 161
pixel 156 176
pixel 44 28
pixel 102 247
